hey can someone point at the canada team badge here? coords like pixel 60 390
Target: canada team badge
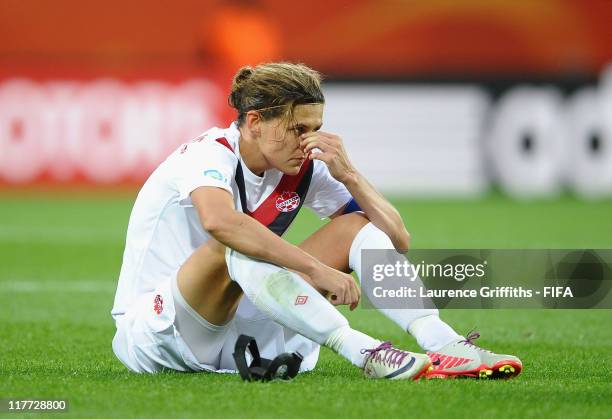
pixel 158 304
pixel 287 201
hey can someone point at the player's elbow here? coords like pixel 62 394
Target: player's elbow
pixel 214 224
pixel 402 241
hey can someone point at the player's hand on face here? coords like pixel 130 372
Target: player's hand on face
pixel 331 152
pixel 341 286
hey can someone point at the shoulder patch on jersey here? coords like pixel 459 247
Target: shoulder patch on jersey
pixel 215 174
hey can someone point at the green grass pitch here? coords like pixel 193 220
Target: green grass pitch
pixel 60 257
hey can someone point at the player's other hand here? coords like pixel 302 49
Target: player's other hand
pixel 341 286
pixel 329 149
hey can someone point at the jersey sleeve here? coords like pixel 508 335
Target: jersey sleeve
pixel 325 195
pixel 204 164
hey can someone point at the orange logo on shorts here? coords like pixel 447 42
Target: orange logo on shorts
pixel 301 300
pixel 158 304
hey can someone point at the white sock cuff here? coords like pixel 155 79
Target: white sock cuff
pixel 369 237
pixel 432 333
pixel 350 344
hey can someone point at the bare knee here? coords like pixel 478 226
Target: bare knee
pixel 208 257
pixel 353 221
pixel 331 243
pixel 213 247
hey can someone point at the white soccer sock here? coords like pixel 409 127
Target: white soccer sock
pixel 424 324
pixel 431 333
pixel 350 344
pixel 290 301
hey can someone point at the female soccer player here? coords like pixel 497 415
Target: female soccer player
pixel 206 228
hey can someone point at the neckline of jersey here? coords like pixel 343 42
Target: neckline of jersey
pixel 253 178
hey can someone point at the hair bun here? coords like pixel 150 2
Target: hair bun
pixel 242 75
pixel 239 80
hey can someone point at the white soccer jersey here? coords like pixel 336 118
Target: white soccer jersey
pixel 164 228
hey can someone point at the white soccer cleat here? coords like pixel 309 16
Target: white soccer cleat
pixel 463 358
pixel 391 363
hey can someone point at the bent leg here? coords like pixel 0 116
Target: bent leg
pixel 205 301
pixel 206 286
pixel 339 244
pixel 204 283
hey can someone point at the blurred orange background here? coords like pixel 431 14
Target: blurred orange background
pixel 362 38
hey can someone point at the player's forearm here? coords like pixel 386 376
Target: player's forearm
pixel 379 211
pixel 249 237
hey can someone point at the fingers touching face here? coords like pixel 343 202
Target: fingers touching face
pixel 280 139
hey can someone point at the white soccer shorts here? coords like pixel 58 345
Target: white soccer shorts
pixel 151 336
pixel 157 332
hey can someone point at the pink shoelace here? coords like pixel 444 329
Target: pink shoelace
pixel 391 356
pixel 471 337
